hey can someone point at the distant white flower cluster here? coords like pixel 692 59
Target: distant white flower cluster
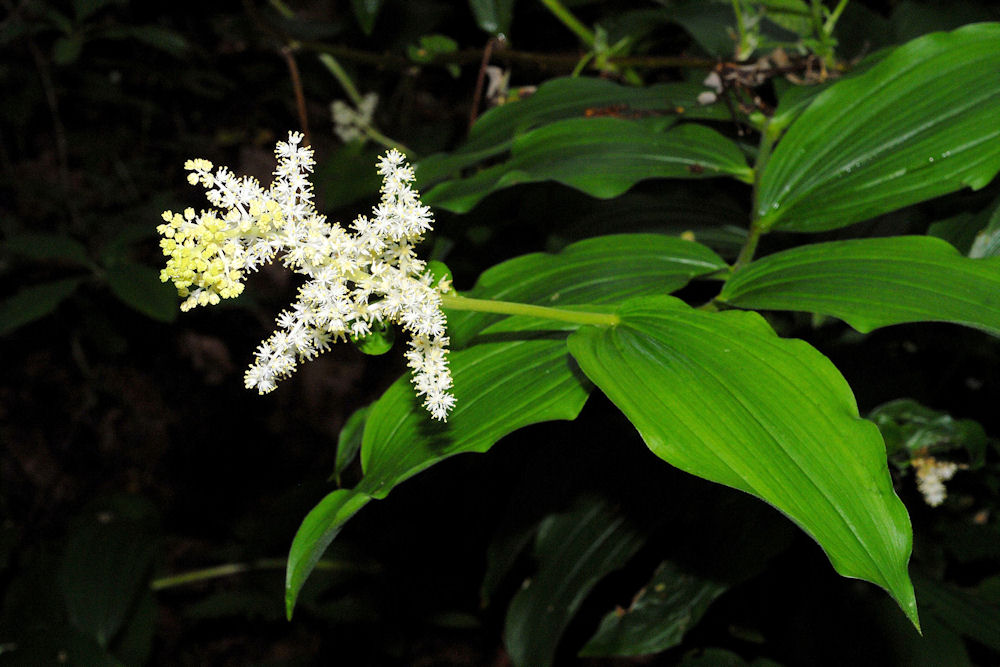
pixel 354 279
pixel 350 123
pixel 931 476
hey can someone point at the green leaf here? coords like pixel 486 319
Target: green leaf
pixel 378 341
pixel 67 48
pixel 366 11
pixel 912 19
pixel 961 611
pixel 139 287
pixel 575 550
pixel 909 427
pixel 605 269
pixel 720 396
pixel 84 9
pixel 349 440
pixel 919 124
pixel 431 47
pixel 664 609
pixel 493 16
pixel 711 24
pixel 792 15
pixel 346 175
pixel 559 99
pixel 33 303
pixel 104 574
pixel 49 247
pixel 59 645
pixel 520 377
pixel 603 157
pixel 987 241
pixel 164 39
pixel 871 283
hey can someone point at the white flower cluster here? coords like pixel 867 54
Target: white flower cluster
pixel 354 280
pixel 931 476
pixel 349 123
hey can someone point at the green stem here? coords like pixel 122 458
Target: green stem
pixel 570 21
pixel 229 569
pixel 741 30
pixel 340 74
pixel 831 21
pixel 283 9
pixel 455 302
pixel 380 138
pixel 756 228
pixel 750 247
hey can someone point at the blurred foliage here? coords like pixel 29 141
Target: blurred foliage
pixel 148 501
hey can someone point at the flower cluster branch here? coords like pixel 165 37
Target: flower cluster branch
pixel 355 279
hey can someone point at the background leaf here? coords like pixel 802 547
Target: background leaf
pixel 720 396
pixel 366 11
pixel 349 441
pixel 603 157
pixel 575 550
pixel 871 283
pixel 559 99
pixel 493 16
pixel 919 124
pixel 139 286
pixel 664 609
pixel 35 302
pixel 48 247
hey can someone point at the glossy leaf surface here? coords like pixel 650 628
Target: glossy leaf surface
pixel 919 124
pixel 720 396
pixel 603 157
pixel 559 99
pixel 605 269
pixel 871 283
pixel 520 378
pixel 667 606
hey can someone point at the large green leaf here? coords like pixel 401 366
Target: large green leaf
pixel 603 157
pixel 871 283
pixel 719 395
pixel 520 377
pixel 558 99
pixel 961 611
pixel 664 609
pixel 140 287
pixel 919 124
pixel 104 575
pixel 574 550
pixel 605 269
pixel 49 247
pixel 493 16
pixel 35 302
pixel 366 11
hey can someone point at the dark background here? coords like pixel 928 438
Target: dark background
pixel 120 428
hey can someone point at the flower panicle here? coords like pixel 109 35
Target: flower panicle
pixel 355 278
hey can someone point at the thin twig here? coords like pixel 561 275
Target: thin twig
pixel 560 61
pixel 300 98
pixel 478 94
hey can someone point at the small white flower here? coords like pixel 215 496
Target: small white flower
pixel 349 123
pixel 931 476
